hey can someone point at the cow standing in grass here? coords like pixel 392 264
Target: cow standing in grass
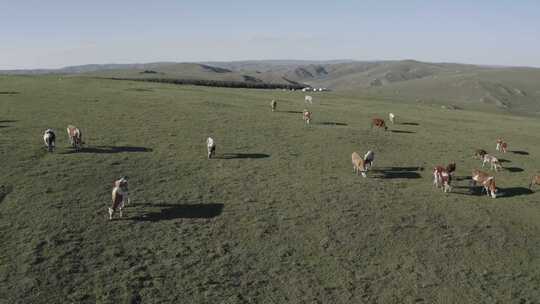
pixel 75 137
pixel 379 123
pixel 487 182
pixel 306 115
pixel 273 104
pixel 211 147
pixel 308 99
pixel 119 196
pixel 493 161
pixel 502 146
pixel 442 177
pixel 392 117
pixel 369 158
pixel 359 165
pixel 50 139
pixel 534 181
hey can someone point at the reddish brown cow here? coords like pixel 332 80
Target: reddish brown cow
pixel 502 146
pixel 379 123
pixel 487 181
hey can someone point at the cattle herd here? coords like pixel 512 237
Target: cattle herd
pixel 442 176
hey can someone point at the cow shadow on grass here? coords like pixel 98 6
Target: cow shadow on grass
pixel 331 123
pixel 513 169
pixel 520 152
pixel 503 160
pixel 179 211
pixel 109 150
pixel 8 121
pixel 477 190
pixel 291 112
pixel 402 131
pixel 409 123
pixel 397 172
pixel 242 155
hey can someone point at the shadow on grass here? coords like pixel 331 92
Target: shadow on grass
pixel 177 211
pixel 397 172
pixel 4 127
pixel 513 191
pixel 242 155
pixel 514 169
pixel 8 121
pixel 520 152
pixel 402 131
pixel 291 112
pixel 331 123
pixel 462 178
pixel 504 160
pixel 9 93
pixel 109 149
pixel 409 123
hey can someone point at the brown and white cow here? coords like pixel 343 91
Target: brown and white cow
pixel 379 123
pixel 119 196
pixel 442 177
pixel 359 165
pixel 534 181
pixel 502 146
pixel 487 182
pixel 480 154
pixel 306 115
pixel 494 163
pixel 75 137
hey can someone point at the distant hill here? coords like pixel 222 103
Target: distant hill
pixel 505 88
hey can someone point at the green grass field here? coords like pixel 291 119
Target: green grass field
pixel 277 217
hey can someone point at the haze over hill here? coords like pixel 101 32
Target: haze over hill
pixel 511 89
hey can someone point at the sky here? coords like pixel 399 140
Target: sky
pixel 58 33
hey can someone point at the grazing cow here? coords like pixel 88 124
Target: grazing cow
pixel 49 138
pixel 487 181
pixel 493 161
pixel 119 196
pixel 392 117
pixel 480 154
pixel 442 177
pixel 502 146
pixel 359 165
pixel 379 123
pixel 211 147
pixel 306 115
pixel 534 181
pixel 75 137
pixel 369 157
pixel 308 99
pixel 273 104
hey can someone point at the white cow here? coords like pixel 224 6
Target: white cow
pixel 211 147
pixel 391 116
pixel 308 99
pixel 368 159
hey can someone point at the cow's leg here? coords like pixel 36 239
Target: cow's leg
pixel 111 212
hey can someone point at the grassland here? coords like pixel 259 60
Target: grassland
pixel 278 217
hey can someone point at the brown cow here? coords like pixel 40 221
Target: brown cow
pixel 306 115
pixel 534 181
pixel 487 181
pixel 379 123
pixel 359 164
pixel 502 146
pixel 75 137
pixel 119 196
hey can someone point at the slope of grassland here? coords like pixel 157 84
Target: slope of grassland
pixel 277 217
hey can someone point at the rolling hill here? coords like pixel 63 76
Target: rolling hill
pixel 455 85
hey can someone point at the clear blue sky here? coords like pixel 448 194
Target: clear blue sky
pixel 56 33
